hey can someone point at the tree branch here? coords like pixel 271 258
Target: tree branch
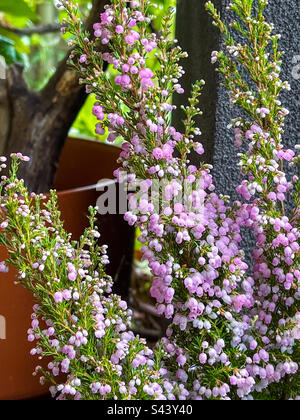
pixel 41 30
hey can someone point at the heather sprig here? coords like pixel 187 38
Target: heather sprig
pixel 79 329
pixel 192 248
pixel 254 56
pixel 194 257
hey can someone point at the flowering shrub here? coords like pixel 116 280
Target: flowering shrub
pixel 201 280
pixel 273 340
pixel 234 329
pixel 85 331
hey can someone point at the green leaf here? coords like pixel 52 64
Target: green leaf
pixel 8 51
pixel 17 8
pixel 6 40
pixel 17 41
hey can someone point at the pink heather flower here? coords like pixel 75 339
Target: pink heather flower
pixel 131 60
pixel 111 137
pixel 99 333
pixel 263 112
pixel 83 58
pixel 123 305
pixel 105 18
pixel 135 35
pixel 120 120
pixel 35 323
pixel 98 33
pixel 169 295
pixel 181 360
pixel 168 211
pixel 238 137
pixel 203 358
pixel 152 126
pixel 272 196
pixel 233 380
pixel 107 57
pixel 253 344
pixel 20 156
pixel 124 80
pixel 147 83
pixel 72 276
pixel 58 297
pixel 146 73
pixel 288 155
pixel 199 148
pixel 4 224
pixel 132 23
pixel 239 301
pixel 3 267
pixel 130 218
pixel 264 355
pixel 98 112
pixel 119 29
pixel 158 153
pixel 100 130
pixel 148 48
pixel 182 375
pixel 134 70
pixel 50 331
pixel 65 365
pixel 129 39
pixel 97 26
pixel 167 151
pixel 178 208
pixel 177 136
pixel 67 294
pixel 125 68
pixel 169 311
pixel 214 57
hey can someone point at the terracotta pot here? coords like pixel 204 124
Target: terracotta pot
pixel 83 163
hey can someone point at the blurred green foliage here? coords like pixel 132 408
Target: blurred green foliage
pixel 39 53
pixel 12 46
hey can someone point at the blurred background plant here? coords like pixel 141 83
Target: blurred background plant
pixel 30 35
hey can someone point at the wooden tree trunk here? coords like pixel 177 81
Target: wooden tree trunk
pixel 37 124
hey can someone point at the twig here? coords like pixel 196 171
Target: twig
pixel 41 30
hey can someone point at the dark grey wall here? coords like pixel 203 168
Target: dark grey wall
pixel 285 15
pixel 197 36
